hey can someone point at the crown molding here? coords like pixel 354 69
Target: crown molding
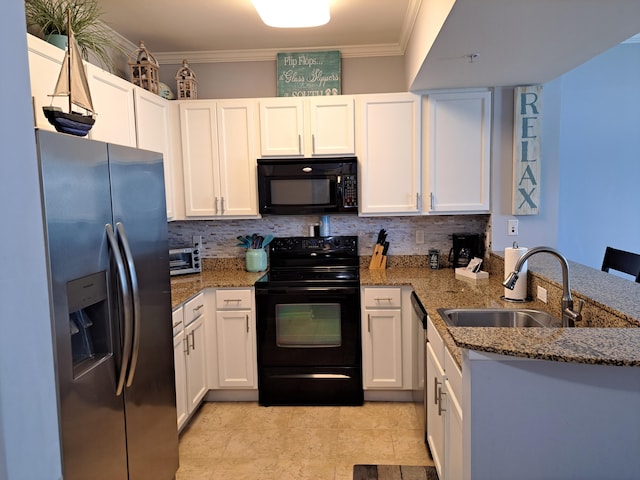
pixel 269 54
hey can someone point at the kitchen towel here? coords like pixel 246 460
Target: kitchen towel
pixel 511 256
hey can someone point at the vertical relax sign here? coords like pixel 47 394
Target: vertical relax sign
pixel 527 130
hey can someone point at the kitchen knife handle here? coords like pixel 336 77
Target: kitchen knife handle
pixel 126 308
pixel 135 290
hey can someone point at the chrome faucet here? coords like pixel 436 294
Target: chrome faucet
pixel 569 315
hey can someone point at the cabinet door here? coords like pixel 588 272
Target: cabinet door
pixel 198 126
pixel 237 157
pixel 435 420
pixel 153 133
pixel 44 67
pixel 281 127
pixel 332 125
pixel 382 348
pixel 388 137
pixel 180 366
pixel 115 112
pixel 453 435
pixel 457 152
pixel 236 348
pixel 196 365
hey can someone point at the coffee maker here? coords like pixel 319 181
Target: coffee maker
pixel 465 247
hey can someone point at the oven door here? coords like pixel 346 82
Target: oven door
pixel 308 326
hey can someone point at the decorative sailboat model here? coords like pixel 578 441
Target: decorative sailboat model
pixel 72 83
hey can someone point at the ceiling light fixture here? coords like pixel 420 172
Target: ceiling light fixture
pixel 293 13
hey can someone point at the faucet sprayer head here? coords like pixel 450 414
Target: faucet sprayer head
pixel 510 281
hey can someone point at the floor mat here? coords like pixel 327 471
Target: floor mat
pixel 393 472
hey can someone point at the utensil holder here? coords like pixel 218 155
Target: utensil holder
pixel 256 260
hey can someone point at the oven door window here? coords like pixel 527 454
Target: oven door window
pixel 308 191
pixel 308 325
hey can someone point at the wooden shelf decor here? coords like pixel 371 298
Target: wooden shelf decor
pixel 187 85
pixel 144 69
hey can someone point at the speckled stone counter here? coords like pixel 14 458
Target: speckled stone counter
pixel 611 302
pixel 440 289
pixel 214 275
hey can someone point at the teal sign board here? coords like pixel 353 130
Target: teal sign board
pixel 307 74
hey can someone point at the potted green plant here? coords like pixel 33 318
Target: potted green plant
pixel 50 17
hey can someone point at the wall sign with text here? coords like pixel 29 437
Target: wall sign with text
pixel 306 74
pixel 527 129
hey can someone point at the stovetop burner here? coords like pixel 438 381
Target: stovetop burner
pixel 312 260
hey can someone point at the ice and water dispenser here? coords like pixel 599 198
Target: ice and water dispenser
pixel 89 324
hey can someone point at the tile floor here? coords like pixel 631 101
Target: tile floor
pixel 238 440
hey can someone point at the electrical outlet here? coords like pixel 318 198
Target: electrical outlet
pixel 542 294
pixel 419 237
pixel 512 227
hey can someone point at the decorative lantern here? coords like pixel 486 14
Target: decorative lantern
pixel 187 85
pixel 144 69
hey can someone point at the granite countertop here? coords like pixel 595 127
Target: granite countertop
pixel 441 289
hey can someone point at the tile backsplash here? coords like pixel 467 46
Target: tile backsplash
pixel 219 236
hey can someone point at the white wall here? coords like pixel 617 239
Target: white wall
pixel 534 230
pixel 29 441
pixel 258 79
pixel 600 168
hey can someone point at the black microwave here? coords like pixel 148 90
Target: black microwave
pixel 303 186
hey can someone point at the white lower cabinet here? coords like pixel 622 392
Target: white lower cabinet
pixel 180 366
pixel 189 350
pixel 444 412
pixel 382 338
pixel 389 355
pixel 236 338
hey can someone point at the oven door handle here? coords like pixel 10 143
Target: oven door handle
pixel 307 290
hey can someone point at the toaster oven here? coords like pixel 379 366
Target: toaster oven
pixel 185 260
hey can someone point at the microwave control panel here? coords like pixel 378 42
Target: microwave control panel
pixel 349 191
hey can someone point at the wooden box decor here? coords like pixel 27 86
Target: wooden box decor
pixel 187 85
pixel 144 69
pixel 306 74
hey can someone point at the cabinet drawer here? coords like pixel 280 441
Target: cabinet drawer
pixel 436 341
pixel 177 319
pixel 230 299
pixel 382 297
pixel 454 375
pixel 193 308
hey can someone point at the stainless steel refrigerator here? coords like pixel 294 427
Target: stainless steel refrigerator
pixel 108 259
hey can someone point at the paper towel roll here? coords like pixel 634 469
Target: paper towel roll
pixel 511 256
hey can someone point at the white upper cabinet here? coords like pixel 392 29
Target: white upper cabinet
pixel 115 112
pixel 45 61
pixel 219 159
pixel 388 147
pixel 307 127
pixel 457 149
pixel 153 132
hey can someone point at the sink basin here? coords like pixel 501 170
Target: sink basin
pixel 497 317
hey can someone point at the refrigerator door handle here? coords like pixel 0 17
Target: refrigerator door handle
pixel 126 307
pixel 135 290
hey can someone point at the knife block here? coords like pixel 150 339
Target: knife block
pixel 378 260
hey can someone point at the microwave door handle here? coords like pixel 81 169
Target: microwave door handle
pixel 126 309
pixel 135 290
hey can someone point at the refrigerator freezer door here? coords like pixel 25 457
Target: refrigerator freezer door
pixel 77 205
pixel 139 212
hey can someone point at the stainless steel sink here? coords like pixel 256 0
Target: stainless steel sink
pixel 497 317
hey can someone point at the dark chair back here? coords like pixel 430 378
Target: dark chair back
pixel 626 262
